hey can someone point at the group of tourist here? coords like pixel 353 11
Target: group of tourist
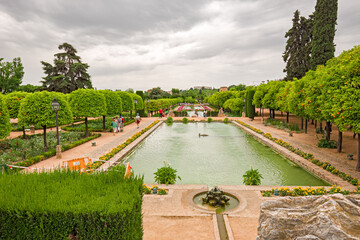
pixel 118 123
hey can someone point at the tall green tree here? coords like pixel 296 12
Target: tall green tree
pixel 5 126
pixel 68 72
pixel 35 109
pixel 11 74
pixel 127 101
pixel 13 101
pixel 29 88
pixel 323 46
pixel 87 103
pixel 298 46
pixel 113 104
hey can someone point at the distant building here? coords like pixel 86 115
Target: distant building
pixel 223 89
pixel 202 87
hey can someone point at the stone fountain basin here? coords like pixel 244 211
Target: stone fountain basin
pixel 233 202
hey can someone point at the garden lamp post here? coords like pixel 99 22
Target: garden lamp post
pixel 135 101
pixel 55 107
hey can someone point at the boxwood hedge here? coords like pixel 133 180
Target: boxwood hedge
pixel 70 205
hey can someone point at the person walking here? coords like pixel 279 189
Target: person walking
pixel 122 123
pixel 114 125
pixel 160 113
pixel 205 114
pixel 137 119
pixel 118 119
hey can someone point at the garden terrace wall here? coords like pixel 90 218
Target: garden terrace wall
pixel 70 205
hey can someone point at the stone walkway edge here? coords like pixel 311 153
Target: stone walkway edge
pixel 120 155
pixel 307 165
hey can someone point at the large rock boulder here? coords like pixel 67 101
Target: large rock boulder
pixel 314 217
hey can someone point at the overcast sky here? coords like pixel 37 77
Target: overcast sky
pixel 142 44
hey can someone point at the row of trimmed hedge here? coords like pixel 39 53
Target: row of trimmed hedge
pixel 70 205
pixel 308 156
pixel 50 153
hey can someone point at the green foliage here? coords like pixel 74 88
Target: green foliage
pixel 5 126
pixel 11 74
pixel 260 92
pixel 323 143
pixel 113 102
pixel 226 120
pixel 87 103
pixel 235 105
pixel 283 125
pixel 189 100
pixel 13 101
pixel 169 120
pixel 323 46
pixel 185 120
pixel 29 88
pixel 166 175
pixel 140 103
pixel 96 125
pixel 250 108
pixel 68 72
pixel 209 120
pixel 268 100
pixel 127 101
pixel 64 205
pixel 252 177
pixel 35 109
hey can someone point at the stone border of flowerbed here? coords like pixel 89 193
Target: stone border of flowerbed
pixel 308 191
pixel 51 153
pixel 106 157
pixel 298 156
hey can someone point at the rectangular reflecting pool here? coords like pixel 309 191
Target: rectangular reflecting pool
pixel 221 158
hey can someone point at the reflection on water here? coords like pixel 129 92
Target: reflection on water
pixel 221 158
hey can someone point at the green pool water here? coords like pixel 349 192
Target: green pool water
pixel 221 158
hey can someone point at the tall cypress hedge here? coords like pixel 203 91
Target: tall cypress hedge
pixel 70 205
pixel 250 107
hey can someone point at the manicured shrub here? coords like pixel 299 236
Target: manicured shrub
pixel 5 126
pixel 226 120
pixel 185 120
pixel 323 143
pixel 169 120
pixel 209 120
pixel 70 205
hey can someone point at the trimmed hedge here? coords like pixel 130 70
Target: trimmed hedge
pixel 48 154
pixel 70 205
pixel 81 127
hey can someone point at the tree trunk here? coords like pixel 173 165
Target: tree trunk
pixel 328 131
pixel 24 134
pixel 86 127
pixel 104 123
pixel 282 114
pixel 306 125
pixel 320 125
pixel 273 113
pixel 315 124
pixel 358 156
pixel 131 114
pixel 302 123
pixel 262 112
pixel 45 143
pixel 339 143
pixel 287 117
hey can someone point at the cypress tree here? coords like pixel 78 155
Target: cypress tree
pixel 298 47
pixel 323 46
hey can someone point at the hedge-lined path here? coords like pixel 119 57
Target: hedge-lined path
pixel 104 144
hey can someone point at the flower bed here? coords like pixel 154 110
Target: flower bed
pixel 308 156
pixel 300 191
pixel 114 151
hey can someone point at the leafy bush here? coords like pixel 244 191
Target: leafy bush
pixel 323 143
pixel 252 177
pixel 70 205
pixel 185 120
pixel 166 175
pixel 226 120
pixel 209 120
pixel 282 125
pixel 95 125
pixel 161 191
pixel 169 120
